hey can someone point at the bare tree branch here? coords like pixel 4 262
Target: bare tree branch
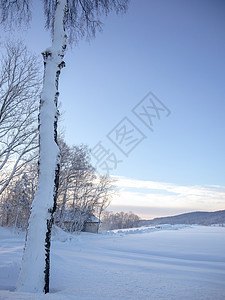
pixel 19 94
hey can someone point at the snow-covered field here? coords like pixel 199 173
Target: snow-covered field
pixel 170 262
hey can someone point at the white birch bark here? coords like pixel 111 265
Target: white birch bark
pixel 34 275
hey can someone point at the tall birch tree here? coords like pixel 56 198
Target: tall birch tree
pixel 66 18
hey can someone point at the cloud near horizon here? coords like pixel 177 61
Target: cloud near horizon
pixel 167 197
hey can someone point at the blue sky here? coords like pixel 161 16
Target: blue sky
pixel 176 50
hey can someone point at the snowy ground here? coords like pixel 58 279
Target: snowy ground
pixel 170 262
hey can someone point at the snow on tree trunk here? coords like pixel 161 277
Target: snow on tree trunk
pixel 34 274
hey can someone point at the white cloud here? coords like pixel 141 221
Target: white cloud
pixel 141 193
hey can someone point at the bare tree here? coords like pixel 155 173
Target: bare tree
pixel 81 192
pixel 19 95
pixel 75 173
pixel 105 191
pixel 90 195
pixel 17 198
pixel 78 18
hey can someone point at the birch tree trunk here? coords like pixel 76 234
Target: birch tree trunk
pixel 34 274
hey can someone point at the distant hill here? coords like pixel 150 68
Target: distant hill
pixel 198 217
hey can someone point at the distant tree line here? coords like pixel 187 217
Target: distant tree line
pixel 119 220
